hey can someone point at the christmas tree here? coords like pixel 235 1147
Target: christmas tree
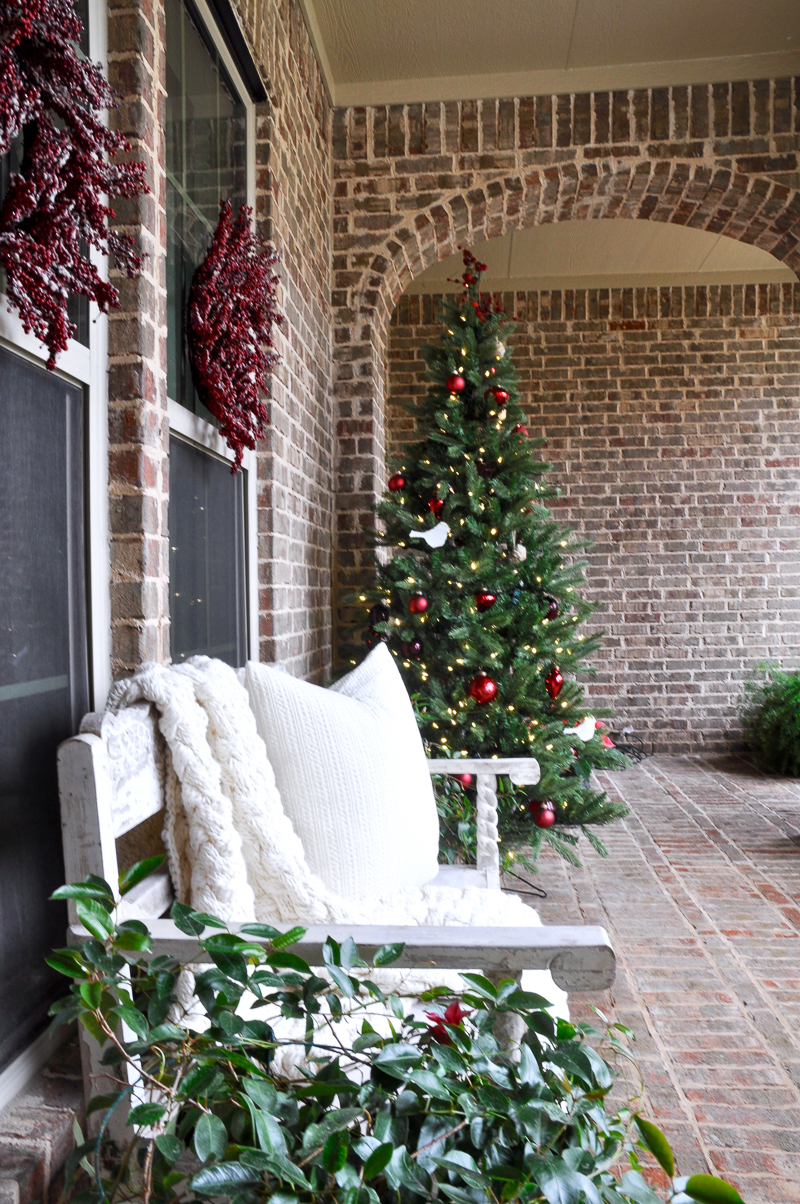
pixel 479 599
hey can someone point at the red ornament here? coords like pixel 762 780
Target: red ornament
pixel 418 604
pixel 483 689
pixel 456 383
pixel 553 611
pixel 485 601
pixel 397 482
pixel 496 393
pixel 544 815
pixel 519 429
pixel 379 613
pixel 56 201
pixel 413 649
pixel 554 681
pixel 436 506
pixel 464 778
pixel 232 309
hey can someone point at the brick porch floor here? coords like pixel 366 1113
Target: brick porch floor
pixel 701 897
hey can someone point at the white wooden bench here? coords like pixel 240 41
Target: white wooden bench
pixel 111 779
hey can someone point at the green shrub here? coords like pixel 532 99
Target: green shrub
pixel 414 1110
pixel 770 713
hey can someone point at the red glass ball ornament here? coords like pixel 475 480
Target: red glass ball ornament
pixel 485 601
pixel 397 482
pixel 544 815
pixel 483 689
pixel 553 610
pixel 554 681
pixel 464 778
pixel 484 470
pixel 499 395
pixel 413 649
pixel 379 614
pixel 519 429
pixel 436 506
pixel 456 383
pixel 418 604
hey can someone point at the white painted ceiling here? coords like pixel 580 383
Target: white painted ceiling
pixel 395 51
pixel 609 254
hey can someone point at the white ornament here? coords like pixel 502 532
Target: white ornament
pixel 520 552
pixel 584 730
pixel 500 350
pixel 435 537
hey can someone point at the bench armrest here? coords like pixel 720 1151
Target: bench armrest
pixel 521 770
pixel 579 957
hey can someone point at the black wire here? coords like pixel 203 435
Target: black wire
pixel 535 892
pixel 629 744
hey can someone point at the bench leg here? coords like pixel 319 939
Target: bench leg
pixel 508 1028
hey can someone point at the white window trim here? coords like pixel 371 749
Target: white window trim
pixel 189 426
pixel 87 367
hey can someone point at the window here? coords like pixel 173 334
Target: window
pixel 209 130
pixel 44 682
pixel 206 164
pixel 206 556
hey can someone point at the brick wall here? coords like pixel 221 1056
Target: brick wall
pixel 411 182
pixel 293 185
pixel 672 420
pixel 138 429
pixel 295 462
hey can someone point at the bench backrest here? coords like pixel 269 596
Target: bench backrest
pixel 111 779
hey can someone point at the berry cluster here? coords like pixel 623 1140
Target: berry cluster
pixel 232 309
pixel 54 209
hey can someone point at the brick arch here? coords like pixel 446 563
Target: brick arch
pixel 748 206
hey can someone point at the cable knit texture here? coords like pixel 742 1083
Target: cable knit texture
pixel 233 851
pixel 352 775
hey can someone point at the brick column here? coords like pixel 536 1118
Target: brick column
pixel 138 423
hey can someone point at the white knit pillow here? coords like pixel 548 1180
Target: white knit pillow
pixel 352 775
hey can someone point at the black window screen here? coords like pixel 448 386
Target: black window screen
pixel 208 612
pixel 43 674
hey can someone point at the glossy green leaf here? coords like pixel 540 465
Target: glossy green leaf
pixel 134 1019
pixel 289 961
pixel 481 985
pixel 334 1152
pixel 66 962
pixel 210 1137
pixel 657 1144
pixel 387 954
pixel 91 994
pixel 224 1179
pixel 289 938
pixel 262 1093
pixel 184 919
pixel 170 1146
pixel 431 1084
pixel 81 890
pixel 378 1160
pixel 138 872
pixel 266 931
pixel 146 1114
pixel 708 1189
pixel 342 980
pixel 94 918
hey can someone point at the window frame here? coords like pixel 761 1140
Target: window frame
pixel 185 424
pixel 86 367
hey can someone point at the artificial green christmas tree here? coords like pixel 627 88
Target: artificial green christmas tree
pixel 477 601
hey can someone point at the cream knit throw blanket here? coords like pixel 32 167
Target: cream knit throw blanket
pixel 232 850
